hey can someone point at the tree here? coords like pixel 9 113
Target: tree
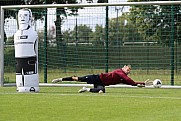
pixel 99 35
pixel 157 22
pixel 82 32
pixel 121 30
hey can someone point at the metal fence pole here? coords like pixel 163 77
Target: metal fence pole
pixel 172 45
pixel 107 38
pixel 45 46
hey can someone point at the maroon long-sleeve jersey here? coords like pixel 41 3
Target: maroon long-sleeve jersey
pixel 117 76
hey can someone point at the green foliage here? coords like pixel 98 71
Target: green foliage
pixel 9 60
pixel 158 23
pixel 98 35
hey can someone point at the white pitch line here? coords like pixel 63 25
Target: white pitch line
pixel 111 86
pixel 82 85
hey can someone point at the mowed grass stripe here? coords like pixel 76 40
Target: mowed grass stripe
pixel 96 95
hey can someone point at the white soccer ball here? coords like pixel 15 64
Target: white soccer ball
pixel 157 83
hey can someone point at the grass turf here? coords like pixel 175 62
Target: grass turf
pixel 65 104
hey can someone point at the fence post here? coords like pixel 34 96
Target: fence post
pixel 107 37
pixel 172 45
pixel 45 46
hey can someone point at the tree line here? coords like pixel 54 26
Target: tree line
pixel 156 23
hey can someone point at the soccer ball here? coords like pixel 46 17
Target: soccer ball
pixel 157 83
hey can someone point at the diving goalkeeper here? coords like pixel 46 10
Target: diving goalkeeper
pixel 104 79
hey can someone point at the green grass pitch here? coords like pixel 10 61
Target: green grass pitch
pixel 65 104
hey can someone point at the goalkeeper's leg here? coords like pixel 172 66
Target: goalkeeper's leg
pixel 97 89
pixel 89 79
pixel 63 79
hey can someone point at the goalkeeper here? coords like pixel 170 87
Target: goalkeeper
pixel 104 79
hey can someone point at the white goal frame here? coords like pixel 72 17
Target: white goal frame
pixel 61 6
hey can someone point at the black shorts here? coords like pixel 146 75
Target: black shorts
pixel 91 79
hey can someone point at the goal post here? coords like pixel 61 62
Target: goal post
pixel 2 49
pixel 84 51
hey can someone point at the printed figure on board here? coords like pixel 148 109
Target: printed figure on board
pixel 26 53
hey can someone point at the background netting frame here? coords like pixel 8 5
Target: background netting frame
pixel 70 5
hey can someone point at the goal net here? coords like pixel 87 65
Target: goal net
pixel 92 38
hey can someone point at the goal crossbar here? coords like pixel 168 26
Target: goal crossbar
pixel 93 4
